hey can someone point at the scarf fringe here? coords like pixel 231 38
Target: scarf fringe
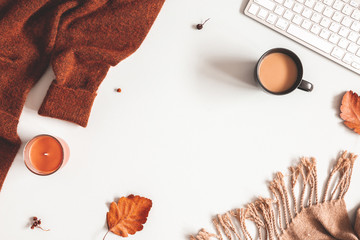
pixel 272 216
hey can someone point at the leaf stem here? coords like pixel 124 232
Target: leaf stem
pixel 206 21
pixel 105 235
pixel 46 230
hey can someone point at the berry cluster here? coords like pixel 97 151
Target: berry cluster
pixel 36 224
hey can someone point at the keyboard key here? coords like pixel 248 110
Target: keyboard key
pixel 347 22
pixel 288 14
pixel 354 4
pixel 334 38
pixel 279 1
pixel 356 65
pixel 338 53
pixel 344 32
pixel 310 38
pixel 319 7
pixel 337 17
pixel 348 58
pixel 329 2
pixel 297 20
pixel 315 29
pixel 356 15
pixel 306 24
pixel 316 17
pixel 328 12
pixel 282 24
pixel 310 3
pixel 325 34
pixel 271 18
pixel 338 5
pixel 262 13
pixel 347 10
pixel 356 59
pixel 266 4
pixel 355 26
pixel 279 10
pixel 307 13
pixel 358 52
pixel 298 8
pixel 253 9
pixel 353 48
pixel 353 36
pixel 289 3
pixel 325 22
pixel 343 43
pixel 334 27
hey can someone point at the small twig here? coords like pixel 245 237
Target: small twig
pixel 46 230
pixel 105 235
pixel 206 20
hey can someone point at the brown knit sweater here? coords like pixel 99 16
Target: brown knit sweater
pixel 81 39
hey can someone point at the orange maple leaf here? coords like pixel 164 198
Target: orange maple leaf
pixel 350 111
pixel 128 215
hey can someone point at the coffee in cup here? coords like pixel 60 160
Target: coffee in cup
pixel 279 71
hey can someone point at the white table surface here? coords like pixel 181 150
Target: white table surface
pixel 190 130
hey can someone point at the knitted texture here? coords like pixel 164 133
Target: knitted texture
pixel 294 214
pixel 81 39
pixel 92 37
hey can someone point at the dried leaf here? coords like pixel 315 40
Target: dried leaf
pixel 350 111
pixel 128 215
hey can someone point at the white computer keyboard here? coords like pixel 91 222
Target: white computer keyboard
pixel 329 27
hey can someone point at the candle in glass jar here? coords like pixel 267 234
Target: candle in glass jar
pixel 45 154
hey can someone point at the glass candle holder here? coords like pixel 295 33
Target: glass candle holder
pixel 45 154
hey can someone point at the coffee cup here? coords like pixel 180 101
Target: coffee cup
pixel 279 71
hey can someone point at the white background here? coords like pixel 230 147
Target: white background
pixel 190 130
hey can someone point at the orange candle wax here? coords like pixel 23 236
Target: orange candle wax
pixel 45 154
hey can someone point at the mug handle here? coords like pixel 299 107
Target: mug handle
pixel 306 86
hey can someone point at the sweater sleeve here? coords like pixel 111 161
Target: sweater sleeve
pixel 92 38
pixel 24 57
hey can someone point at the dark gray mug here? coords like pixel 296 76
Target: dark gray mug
pixel 299 83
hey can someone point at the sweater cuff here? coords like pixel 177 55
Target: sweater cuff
pixel 8 127
pixel 73 105
pixel 8 151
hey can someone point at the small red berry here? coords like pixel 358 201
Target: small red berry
pixel 201 25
